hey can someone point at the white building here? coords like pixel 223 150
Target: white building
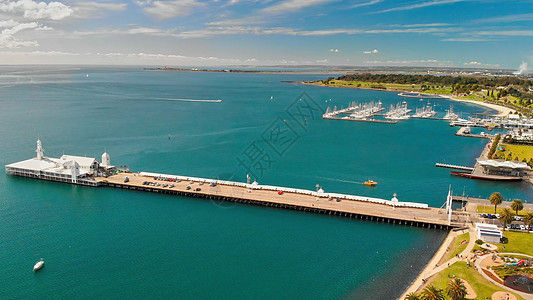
pixel 67 168
pixel 488 233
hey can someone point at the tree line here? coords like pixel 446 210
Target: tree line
pixel 482 81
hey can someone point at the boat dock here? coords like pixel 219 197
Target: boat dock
pixel 457 167
pixel 465 131
pixel 419 95
pixel 359 120
pixel 355 207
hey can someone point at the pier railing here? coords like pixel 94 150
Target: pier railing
pixel 254 186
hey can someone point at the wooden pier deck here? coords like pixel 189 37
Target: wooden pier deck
pixel 420 217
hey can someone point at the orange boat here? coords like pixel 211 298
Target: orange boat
pixel 370 183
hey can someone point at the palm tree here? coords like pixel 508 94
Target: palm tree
pixel 412 296
pixel 432 293
pixel 496 199
pixel 456 289
pixel 528 220
pixel 506 216
pixel 517 205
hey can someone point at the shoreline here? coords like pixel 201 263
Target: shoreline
pixel 502 110
pixel 432 267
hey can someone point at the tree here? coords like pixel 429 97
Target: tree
pixel 432 293
pixel 506 216
pixel 517 205
pixel 528 220
pixel 496 199
pixel 456 289
pixel 412 296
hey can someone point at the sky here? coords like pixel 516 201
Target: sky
pixel 432 33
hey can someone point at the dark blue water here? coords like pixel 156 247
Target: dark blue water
pixel 106 243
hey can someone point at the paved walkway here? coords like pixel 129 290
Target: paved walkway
pixel 433 268
pixel 478 265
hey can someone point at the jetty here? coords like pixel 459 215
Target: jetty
pixel 419 95
pixel 361 112
pixel 88 171
pixel 456 167
pixel 359 120
pixel 466 132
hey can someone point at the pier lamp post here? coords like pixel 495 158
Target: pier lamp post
pixel 394 200
pixel 317 188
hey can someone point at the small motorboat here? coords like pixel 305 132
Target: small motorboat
pixel 38 265
pixel 370 183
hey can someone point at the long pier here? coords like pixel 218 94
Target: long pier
pixel 355 207
pixel 457 167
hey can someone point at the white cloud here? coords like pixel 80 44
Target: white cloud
pixel 11 27
pixel 413 62
pixel 477 64
pixel 508 18
pixel 506 32
pixel 292 5
pixel 169 9
pixel 466 39
pixel 37 10
pixel 372 2
pixel 90 9
pixel 375 51
pixel 423 4
pixel 250 30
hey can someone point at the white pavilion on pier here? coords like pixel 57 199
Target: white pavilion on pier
pixel 67 168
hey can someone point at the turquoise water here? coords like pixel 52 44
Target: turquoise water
pixel 107 243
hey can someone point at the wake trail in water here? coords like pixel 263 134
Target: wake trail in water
pixel 188 100
pixel 340 180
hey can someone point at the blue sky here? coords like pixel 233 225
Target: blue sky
pixel 454 33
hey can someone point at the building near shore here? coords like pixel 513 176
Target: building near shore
pixel 488 233
pixel 67 168
pixel 503 168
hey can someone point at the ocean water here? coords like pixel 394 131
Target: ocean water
pixel 108 243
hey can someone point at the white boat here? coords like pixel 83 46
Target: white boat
pixel 425 112
pixel 450 115
pixel 38 265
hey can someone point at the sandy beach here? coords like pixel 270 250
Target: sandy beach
pixel 502 110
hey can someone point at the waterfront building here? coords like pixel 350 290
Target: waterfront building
pixel 67 168
pixel 488 233
pixel 503 168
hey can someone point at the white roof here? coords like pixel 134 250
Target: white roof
pixel 486 226
pixel 47 164
pixel 504 164
pixel 84 162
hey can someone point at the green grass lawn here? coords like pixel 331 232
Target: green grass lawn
pixel 522 151
pixel 519 242
pixel 455 247
pixel 481 286
pixel 486 209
